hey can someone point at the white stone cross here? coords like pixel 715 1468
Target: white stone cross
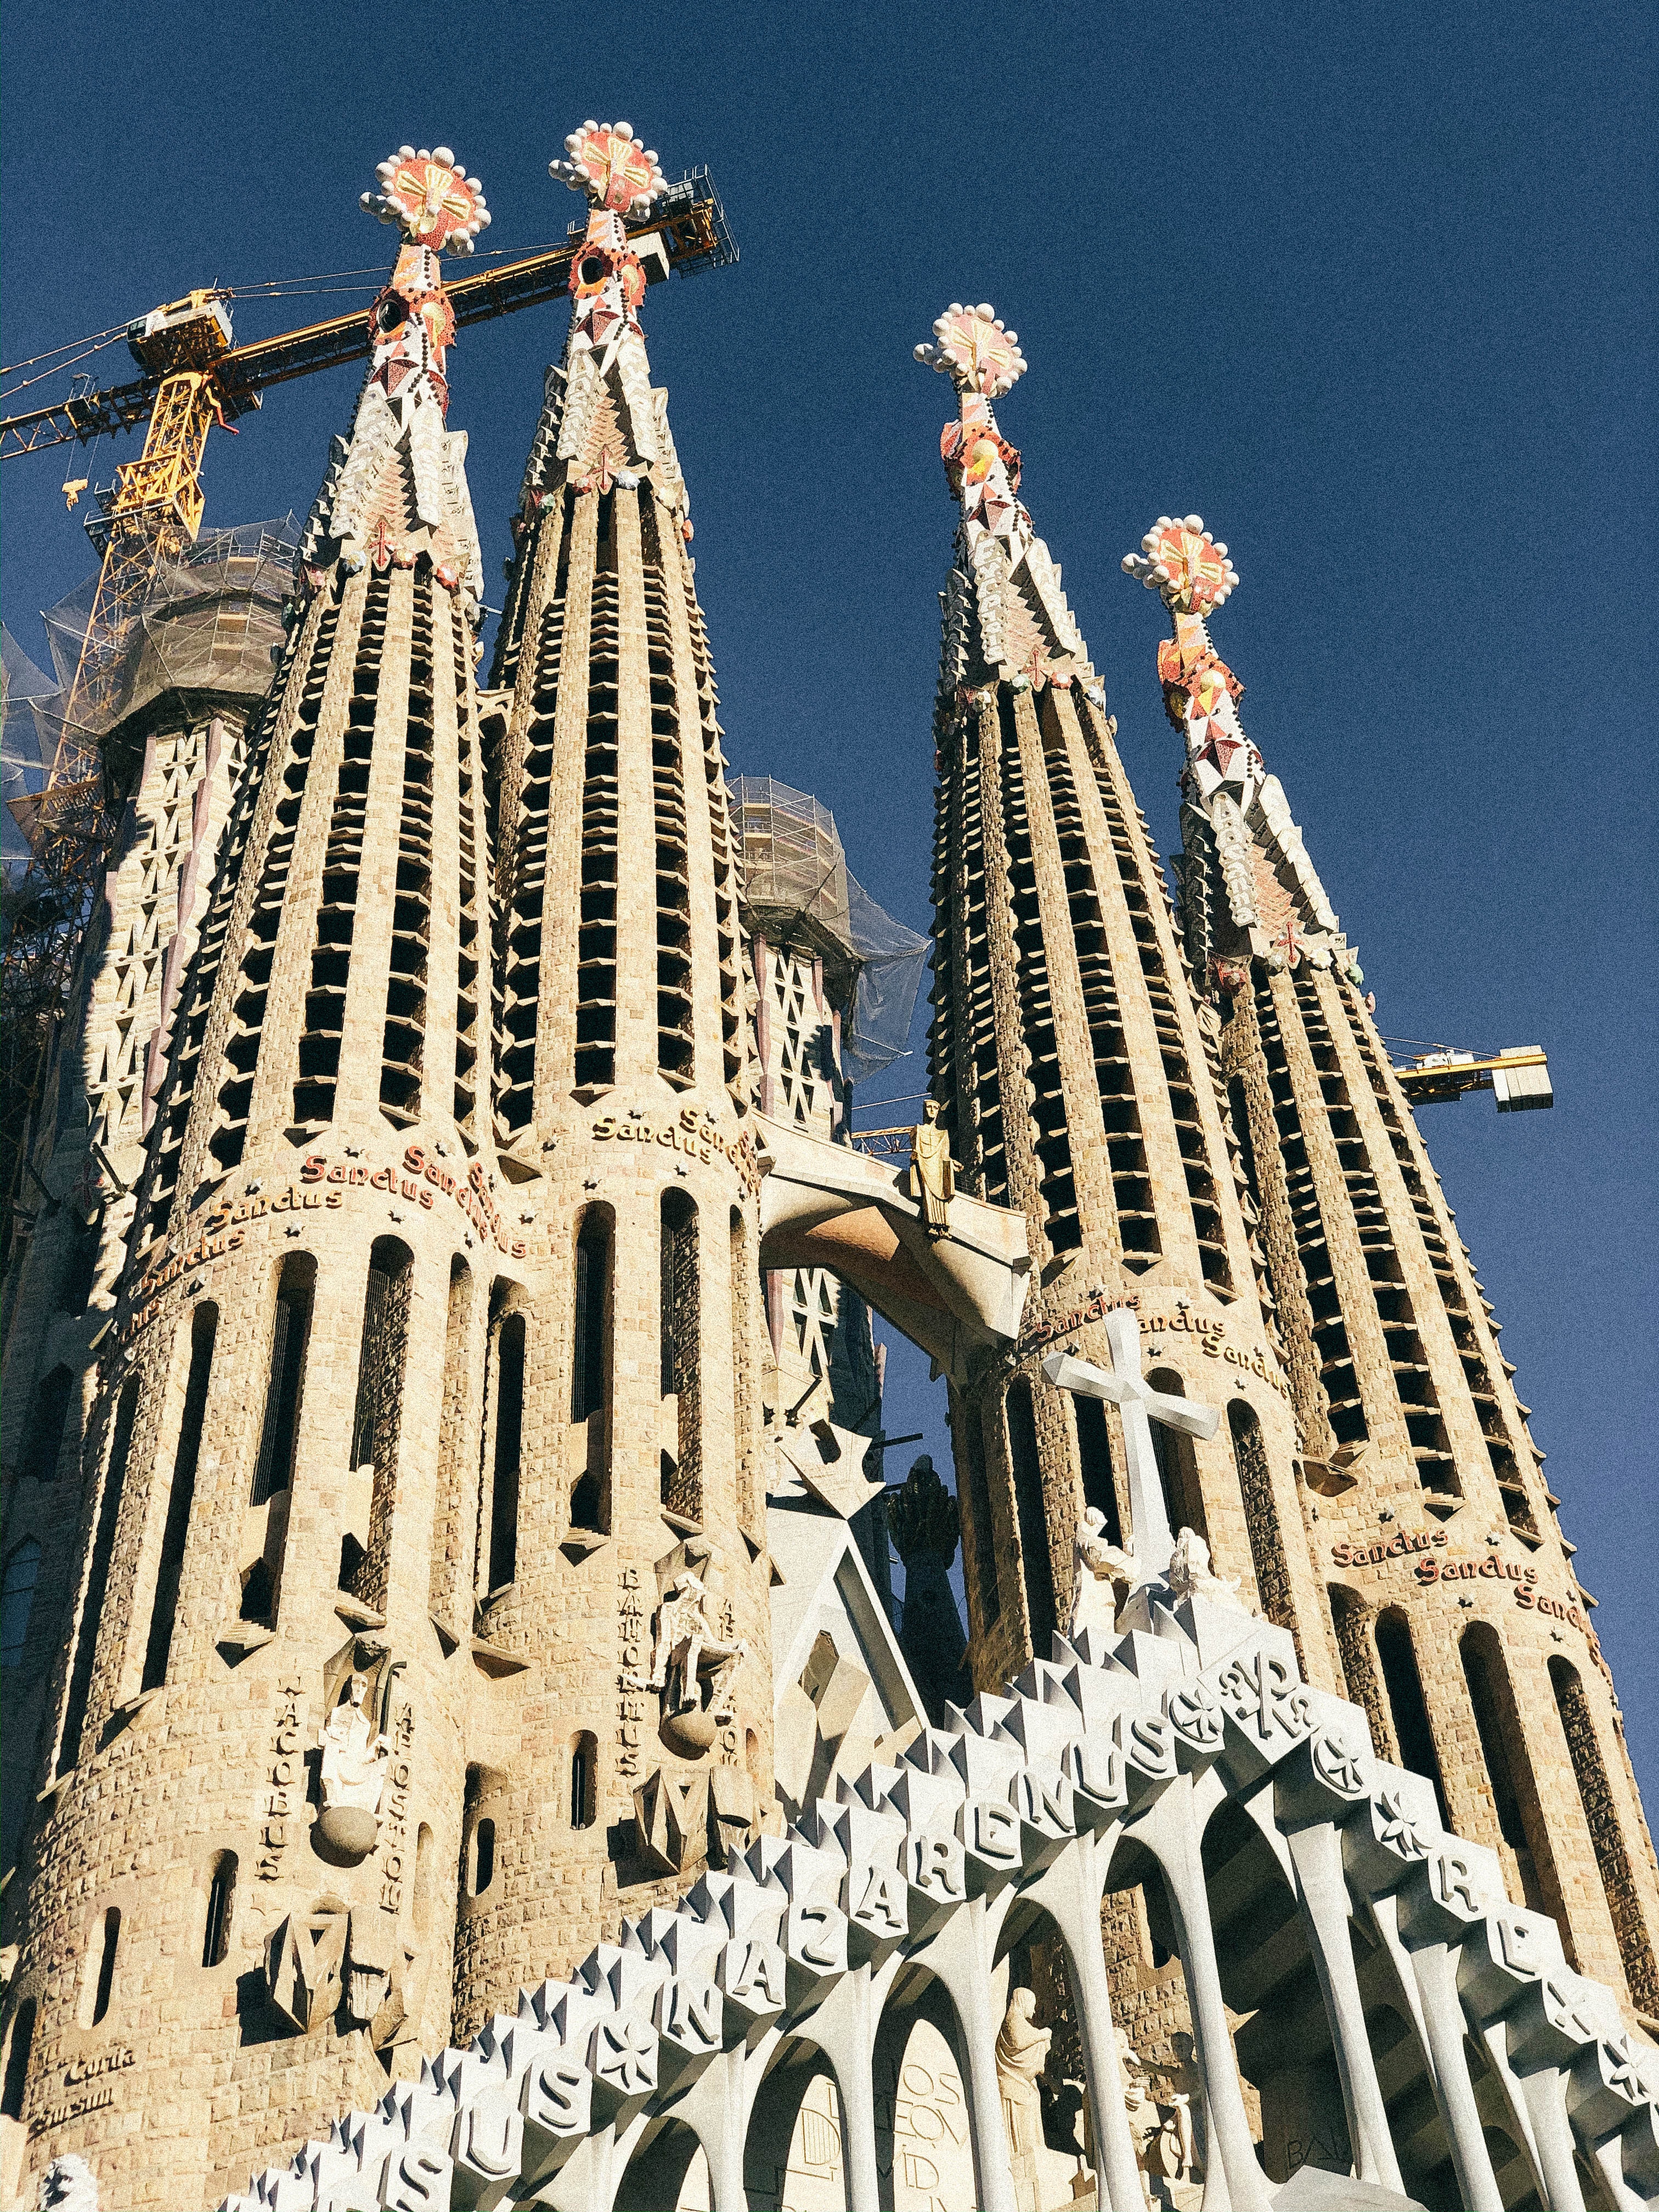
pixel 1140 1406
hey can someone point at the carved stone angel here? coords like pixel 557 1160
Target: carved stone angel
pixel 689 1657
pixel 1099 1566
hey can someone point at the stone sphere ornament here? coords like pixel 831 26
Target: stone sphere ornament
pixel 431 198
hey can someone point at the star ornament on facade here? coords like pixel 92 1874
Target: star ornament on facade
pixel 971 346
pixel 608 163
pixel 1183 564
pixel 431 198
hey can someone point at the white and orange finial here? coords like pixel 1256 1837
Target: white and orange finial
pixel 1183 564
pixel 609 164
pixel 971 346
pixel 430 197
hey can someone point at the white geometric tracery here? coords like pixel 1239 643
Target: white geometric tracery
pixel 798 1949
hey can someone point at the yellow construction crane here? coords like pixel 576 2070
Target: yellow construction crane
pixel 194 376
pixel 1519 1078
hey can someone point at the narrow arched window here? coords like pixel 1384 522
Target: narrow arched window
pixel 377 1425
pixel 483 1856
pixel 583 1762
pixel 103 1550
pixel 968 1441
pixel 509 1432
pixel 1093 1453
pixel 1256 1488
pixel 1503 1749
pixel 1607 1834
pixel 681 1331
pixel 424 1878
pixel 99 1985
pixel 44 1445
pixel 181 1496
pixel 1177 1468
pixel 1026 1469
pixel 291 1334
pixel 222 1894
pixel 1410 1714
pixel 19 2044
pixel 590 1373
pixel 17 1600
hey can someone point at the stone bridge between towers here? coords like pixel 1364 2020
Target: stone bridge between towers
pixel 1448 2036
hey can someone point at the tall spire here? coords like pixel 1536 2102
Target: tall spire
pixel 1405 1402
pixel 395 488
pixel 1076 1076
pixel 1249 891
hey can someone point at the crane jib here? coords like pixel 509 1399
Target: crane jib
pixel 688 218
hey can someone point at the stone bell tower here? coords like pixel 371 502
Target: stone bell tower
pixel 1463 1627
pixel 252 1780
pixel 628 1493
pixel 1079 1082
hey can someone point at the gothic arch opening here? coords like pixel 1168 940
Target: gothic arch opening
pixel 1406 1708
pixel 23 1572
pixel 1025 1465
pixel 1177 1465
pixel 1606 1837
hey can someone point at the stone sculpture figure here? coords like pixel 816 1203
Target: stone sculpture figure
pixel 1022 2053
pixel 1190 1574
pixel 932 1172
pixel 1098 1566
pixel 68 2185
pixel 355 1753
pixel 690 1651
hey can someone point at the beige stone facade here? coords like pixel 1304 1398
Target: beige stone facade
pixel 402 1633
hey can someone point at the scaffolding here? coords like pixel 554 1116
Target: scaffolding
pixel 799 890
pixel 208 622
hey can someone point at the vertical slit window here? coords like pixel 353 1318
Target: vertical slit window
pixel 509 1432
pixel 291 1334
pixel 181 1496
pixel 222 1894
pixel 1348 1616
pixel 100 1985
pixel 103 1550
pixel 1404 1684
pixel 1026 1467
pixel 584 1765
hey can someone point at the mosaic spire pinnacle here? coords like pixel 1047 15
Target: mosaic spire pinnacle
pixel 396 488
pixel 1005 617
pixel 1249 890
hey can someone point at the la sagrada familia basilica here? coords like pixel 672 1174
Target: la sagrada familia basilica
pixel 462 1748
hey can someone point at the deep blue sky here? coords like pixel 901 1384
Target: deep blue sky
pixel 1369 286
